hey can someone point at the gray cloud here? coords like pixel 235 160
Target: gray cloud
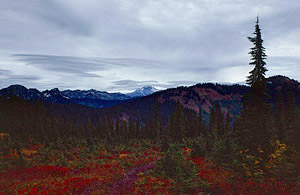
pixel 81 66
pixel 99 42
pixel 7 76
pixel 5 72
pixel 25 80
pixel 288 66
pixel 62 64
pixel 24 77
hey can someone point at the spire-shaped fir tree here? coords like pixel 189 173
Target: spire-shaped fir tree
pixel 255 121
pixel 258 56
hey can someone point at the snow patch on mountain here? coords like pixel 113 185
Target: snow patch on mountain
pixel 144 91
pixel 93 94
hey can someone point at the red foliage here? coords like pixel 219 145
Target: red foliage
pixel 48 179
pixel 218 178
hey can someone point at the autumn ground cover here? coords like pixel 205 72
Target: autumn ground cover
pixel 122 169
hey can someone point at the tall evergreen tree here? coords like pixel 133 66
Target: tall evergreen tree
pixel 257 56
pixel 191 123
pixel 256 121
pixel 212 121
pixel 156 122
pixel 227 123
pixel 279 116
pixel 201 125
pixel 117 129
pixel 167 133
pixel 228 132
pixel 138 127
pixel 131 128
pixel 219 117
pixel 179 122
pixel 291 118
pixel 176 126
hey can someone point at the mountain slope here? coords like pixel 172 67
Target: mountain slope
pixel 20 90
pixel 202 97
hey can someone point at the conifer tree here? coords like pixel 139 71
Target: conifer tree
pixel 156 123
pixel 280 122
pixel 179 122
pixel 191 123
pixel 228 131
pixel 255 121
pixel 138 127
pixel 219 117
pixel 292 128
pixel 124 130
pixel 227 123
pixel 257 56
pixel 168 129
pixel 131 127
pixel 201 125
pixel 117 129
pixel 212 121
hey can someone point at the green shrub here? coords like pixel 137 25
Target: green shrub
pixel 174 165
pixel 220 152
pixel 6 144
pixel 197 151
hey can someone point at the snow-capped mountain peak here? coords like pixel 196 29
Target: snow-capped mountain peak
pixel 93 94
pixel 144 91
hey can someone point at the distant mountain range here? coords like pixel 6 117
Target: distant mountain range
pixel 140 103
pixel 203 97
pixel 92 98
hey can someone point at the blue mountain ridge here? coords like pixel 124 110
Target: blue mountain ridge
pixel 91 98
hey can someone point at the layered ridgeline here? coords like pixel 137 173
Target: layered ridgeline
pixel 199 98
pixel 91 98
pixel 204 97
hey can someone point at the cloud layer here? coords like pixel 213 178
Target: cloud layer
pixel 120 44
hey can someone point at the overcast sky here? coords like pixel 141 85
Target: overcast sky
pixel 120 45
